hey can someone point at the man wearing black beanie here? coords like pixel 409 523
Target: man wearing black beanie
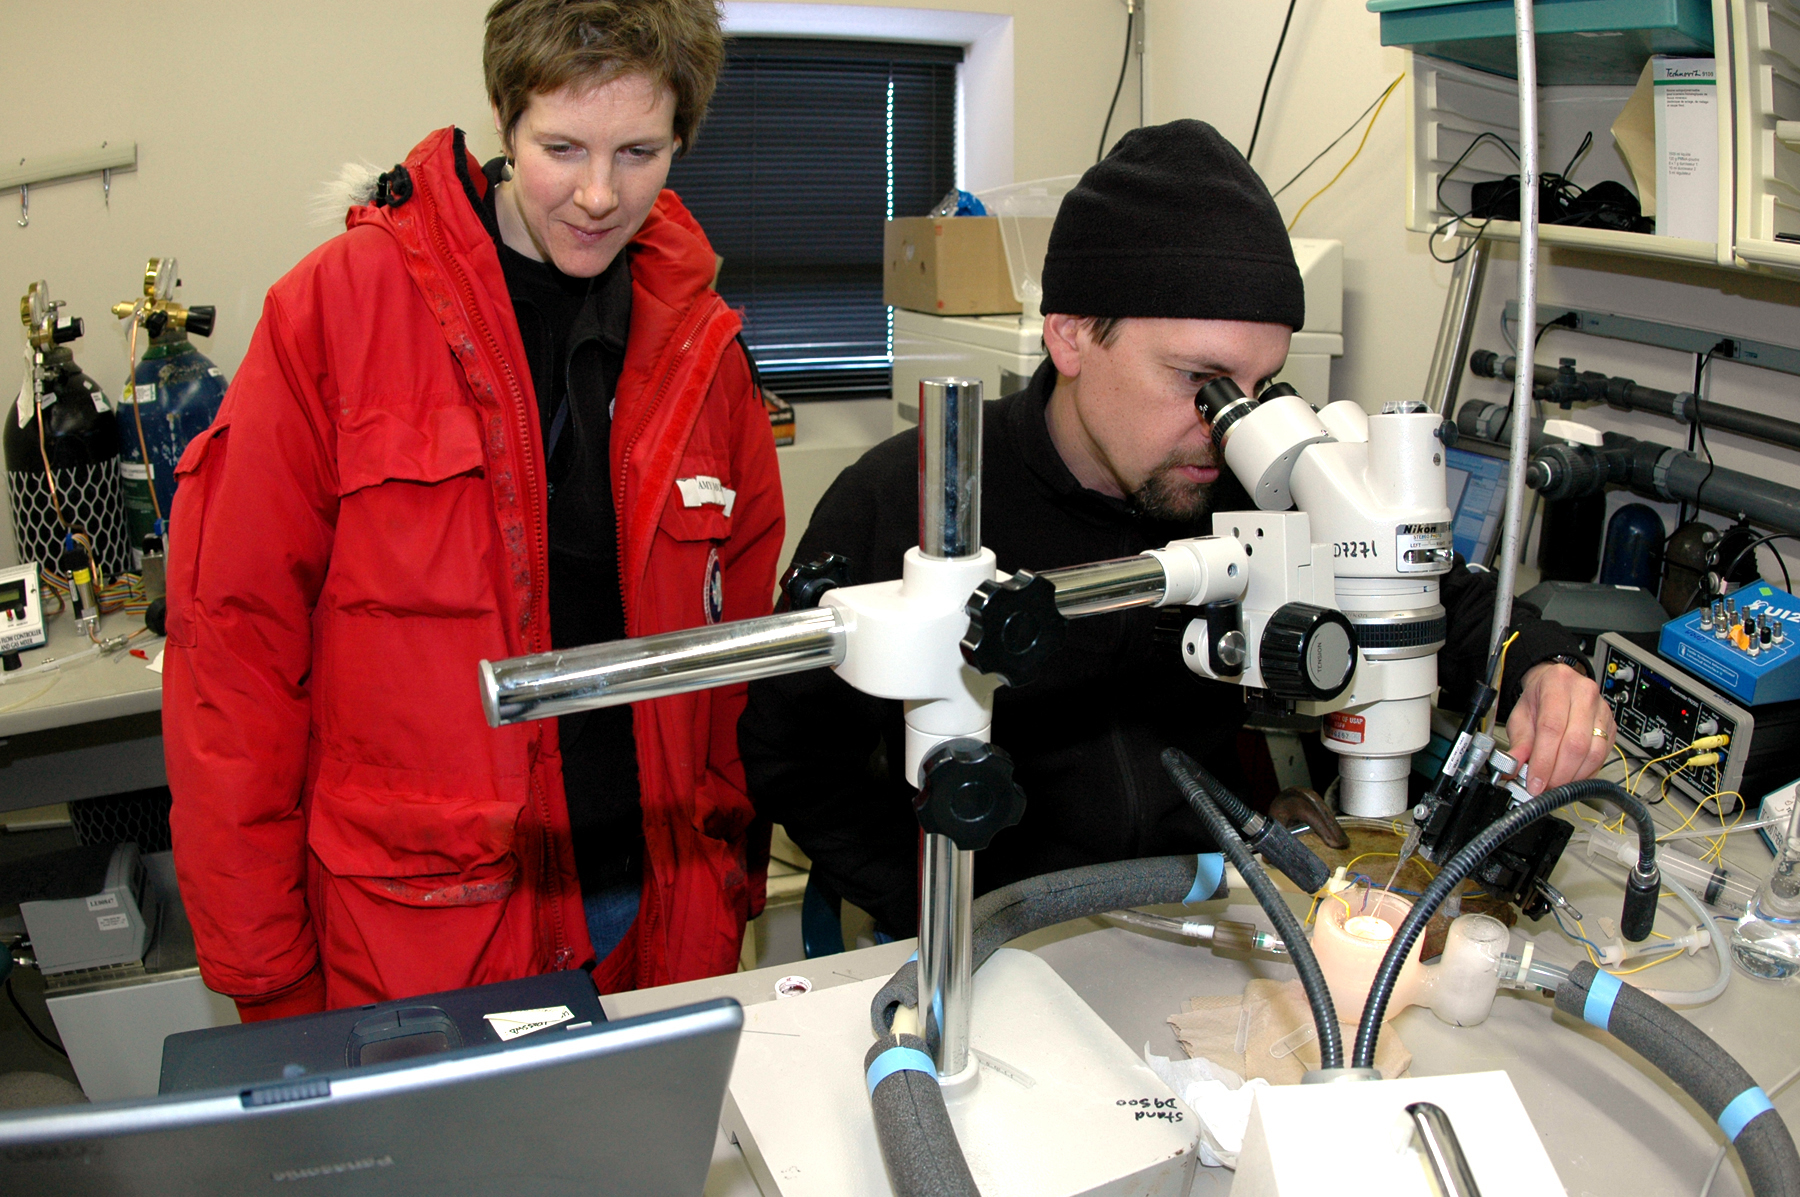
pixel 1168 266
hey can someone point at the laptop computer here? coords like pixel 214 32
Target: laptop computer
pixel 628 1108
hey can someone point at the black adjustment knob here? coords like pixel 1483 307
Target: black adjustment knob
pixel 1308 652
pixel 969 793
pixel 200 319
pixel 806 583
pixel 1014 626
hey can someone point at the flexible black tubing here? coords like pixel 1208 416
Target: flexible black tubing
pixel 1275 843
pixel 1705 1071
pixel 1465 862
pixel 1312 978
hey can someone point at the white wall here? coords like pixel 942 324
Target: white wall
pixel 241 111
pixel 1208 58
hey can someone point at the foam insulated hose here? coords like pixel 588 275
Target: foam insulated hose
pixel 1038 902
pixel 918 1142
pixel 1704 1071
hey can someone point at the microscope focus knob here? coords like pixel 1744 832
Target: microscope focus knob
pixel 1014 626
pixel 805 583
pixel 1308 653
pixel 969 793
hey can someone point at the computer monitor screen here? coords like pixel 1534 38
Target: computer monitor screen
pixel 628 1107
pixel 1477 494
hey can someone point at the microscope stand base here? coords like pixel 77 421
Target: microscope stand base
pixel 1061 1108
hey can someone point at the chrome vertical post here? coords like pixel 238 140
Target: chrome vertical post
pixel 949 528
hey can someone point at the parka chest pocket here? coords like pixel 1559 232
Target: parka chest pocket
pixel 697 519
pixel 415 530
pixel 699 507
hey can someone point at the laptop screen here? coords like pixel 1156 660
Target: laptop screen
pixel 628 1107
pixel 1477 494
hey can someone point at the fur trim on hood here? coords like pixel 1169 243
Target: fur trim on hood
pixel 353 187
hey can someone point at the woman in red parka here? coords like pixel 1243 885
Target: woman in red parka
pixel 461 432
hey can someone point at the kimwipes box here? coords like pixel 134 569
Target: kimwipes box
pixel 947 266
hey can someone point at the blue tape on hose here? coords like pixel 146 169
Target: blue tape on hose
pixel 1209 870
pixel 1601 994
pixel 912 959
pixel 899 1059
pixel 1744 1107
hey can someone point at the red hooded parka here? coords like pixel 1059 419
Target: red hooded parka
pixel 363 523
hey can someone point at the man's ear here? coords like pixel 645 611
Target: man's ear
pixel 1066 338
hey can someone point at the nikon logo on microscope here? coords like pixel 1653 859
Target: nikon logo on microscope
pixel 1419 529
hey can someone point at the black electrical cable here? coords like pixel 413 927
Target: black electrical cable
pixel 1700 368
pixel 1312 978
pixel 1334 141
pixel 1430 241
pixel 48 1042
pixel 1786 581
pixel 1106 128
pixel 1642 888
pixel 1281 41
pixel 1559 183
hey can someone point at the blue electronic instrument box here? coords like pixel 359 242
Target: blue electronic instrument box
pixel 1748 645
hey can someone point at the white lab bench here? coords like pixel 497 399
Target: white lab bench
pixel 91 729
pixel 1610 1122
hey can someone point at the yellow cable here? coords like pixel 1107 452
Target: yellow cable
pixel 1367 129
pixel 1499 682
pixel 1626 972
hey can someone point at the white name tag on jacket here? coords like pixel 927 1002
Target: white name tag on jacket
pixel 703 489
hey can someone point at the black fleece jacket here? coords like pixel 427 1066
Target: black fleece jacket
pixel 825 761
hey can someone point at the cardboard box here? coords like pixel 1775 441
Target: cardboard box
pixel 947 266
pixel 1687 148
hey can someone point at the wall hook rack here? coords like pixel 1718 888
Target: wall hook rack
pixel 36 170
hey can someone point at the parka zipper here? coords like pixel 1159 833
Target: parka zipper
pixel 529 496
pixel 652 917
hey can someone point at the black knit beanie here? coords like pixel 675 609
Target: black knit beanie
pixel 1173 223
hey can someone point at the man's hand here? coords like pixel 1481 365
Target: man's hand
pixel 1560 726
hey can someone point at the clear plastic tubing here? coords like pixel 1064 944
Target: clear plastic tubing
pixel 1715 885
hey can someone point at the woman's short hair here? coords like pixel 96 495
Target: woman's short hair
pixel 542 46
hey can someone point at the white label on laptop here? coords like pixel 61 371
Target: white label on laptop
pixel 513 1023
pixel 702 489
pixel 113 922
pixel 106 901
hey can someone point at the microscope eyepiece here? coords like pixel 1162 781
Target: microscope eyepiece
pixel 1216 396
pixel 1222 403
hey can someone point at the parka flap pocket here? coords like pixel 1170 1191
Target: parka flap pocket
pixel 195 453
pixel 694 523
pixel 362 829
pixel 382 446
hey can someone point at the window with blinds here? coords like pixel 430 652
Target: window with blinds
pixel 809 146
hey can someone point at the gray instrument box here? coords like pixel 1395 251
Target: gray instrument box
pixel 98 912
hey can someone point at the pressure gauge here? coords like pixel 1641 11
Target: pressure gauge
pixel 160 279
pixel 34 306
